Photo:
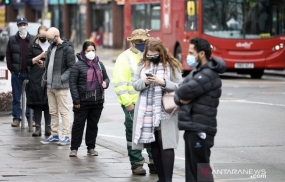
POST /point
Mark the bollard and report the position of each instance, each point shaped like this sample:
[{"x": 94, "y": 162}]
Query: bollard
[{"x": 24, "y": 107}]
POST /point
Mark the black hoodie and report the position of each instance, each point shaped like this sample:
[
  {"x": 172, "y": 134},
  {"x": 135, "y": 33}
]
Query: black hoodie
[{"x": 203, "y": 87}]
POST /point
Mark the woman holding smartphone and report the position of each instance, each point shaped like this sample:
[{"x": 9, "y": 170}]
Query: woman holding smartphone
[
  {"x": 37, "y": 97},
  {"x": 153, "y": 127}
]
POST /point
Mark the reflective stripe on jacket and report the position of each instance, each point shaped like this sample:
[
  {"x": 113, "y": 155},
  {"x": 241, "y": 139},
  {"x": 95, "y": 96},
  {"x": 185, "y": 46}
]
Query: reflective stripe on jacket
[{"x": 123, "y": 71}]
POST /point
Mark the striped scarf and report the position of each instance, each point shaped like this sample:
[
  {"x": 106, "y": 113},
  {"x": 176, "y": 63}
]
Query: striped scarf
[{"x": 150, "y": 108}]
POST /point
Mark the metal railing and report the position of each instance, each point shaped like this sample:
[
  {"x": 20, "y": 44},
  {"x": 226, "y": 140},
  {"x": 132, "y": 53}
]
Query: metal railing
[{"x": 24, "y": 108}]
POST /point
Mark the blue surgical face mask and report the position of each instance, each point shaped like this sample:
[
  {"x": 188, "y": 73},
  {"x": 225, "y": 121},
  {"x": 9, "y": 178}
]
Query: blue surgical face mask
[
  {"x": 140, "y": 47},
  {"x": 191, "y": 61}
]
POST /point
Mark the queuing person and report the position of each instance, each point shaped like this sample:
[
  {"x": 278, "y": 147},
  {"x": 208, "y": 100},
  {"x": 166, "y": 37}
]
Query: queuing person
[
  {"x": 124, "y": 69},
  {"x": 158, "y": 71},
  {"x": 88, "y": 79},
  {"x": 16, "y": 62},
  {"x": 198, "y": 96},
  {"x": 37, "y": 97},
  {"x": 58, "y": 63}
]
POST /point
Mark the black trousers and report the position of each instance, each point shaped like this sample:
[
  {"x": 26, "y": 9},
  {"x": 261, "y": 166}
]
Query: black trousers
[
  {"x": 38, "y": 114},
  {"x": 92, "y": 113},
  {"x": 197, "y": 157}
]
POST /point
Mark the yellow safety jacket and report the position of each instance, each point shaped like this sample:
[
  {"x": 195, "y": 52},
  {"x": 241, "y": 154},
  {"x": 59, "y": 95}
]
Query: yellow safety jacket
[{"x": 123, "y": 71}]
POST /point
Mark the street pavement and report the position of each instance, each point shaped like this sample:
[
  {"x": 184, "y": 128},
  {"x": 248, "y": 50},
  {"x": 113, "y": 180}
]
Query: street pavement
[{"x": 24, "y": 158}]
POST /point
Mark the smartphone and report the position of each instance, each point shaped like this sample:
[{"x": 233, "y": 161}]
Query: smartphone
[{"x": 148, "y": 74}]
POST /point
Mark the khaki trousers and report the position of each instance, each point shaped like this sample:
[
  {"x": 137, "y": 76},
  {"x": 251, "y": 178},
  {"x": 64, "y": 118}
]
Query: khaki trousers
[{"x": 57, "y": 101}]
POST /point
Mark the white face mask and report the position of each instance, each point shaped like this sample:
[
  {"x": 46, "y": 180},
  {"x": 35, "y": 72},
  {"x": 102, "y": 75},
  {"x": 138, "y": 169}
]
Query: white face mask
[
  {"x": 90, "y": 55},
  {"x": 23, "y": 30}
]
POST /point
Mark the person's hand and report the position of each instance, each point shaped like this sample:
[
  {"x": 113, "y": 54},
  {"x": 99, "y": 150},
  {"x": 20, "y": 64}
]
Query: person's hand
[
  {"x": 104, "y": 85},
  {"x": 43, "y": 54},
  {"x": 156, "y": 79},
  {"x": 185, "y": 101},
  {"x": 40, "y": 63},
  {"x": 77, "y": 106},
  {"x": 147, "y": 80},
  {"x": 130, "y": 107}
]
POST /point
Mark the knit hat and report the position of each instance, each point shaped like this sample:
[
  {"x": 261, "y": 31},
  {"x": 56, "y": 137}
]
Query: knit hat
[{"x": 139, "y": 34}]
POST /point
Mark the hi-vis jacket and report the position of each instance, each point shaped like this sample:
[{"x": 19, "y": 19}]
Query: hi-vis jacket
[{"x": 123, "y": 71}]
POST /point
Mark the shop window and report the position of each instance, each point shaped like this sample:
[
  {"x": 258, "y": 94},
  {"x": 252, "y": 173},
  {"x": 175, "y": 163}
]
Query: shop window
[{"x": 146, "y": 16}]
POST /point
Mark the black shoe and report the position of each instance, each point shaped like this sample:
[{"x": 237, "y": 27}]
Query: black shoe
[
  {"x": 47, "y": 130},
  {"x": 152, "y": 168}
]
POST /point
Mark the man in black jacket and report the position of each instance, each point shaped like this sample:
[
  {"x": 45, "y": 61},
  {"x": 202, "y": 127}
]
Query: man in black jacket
[
  {"x": 60, "y": 58},
  {"x": 198, "y": 97},
  {"x": 16, "y": 62}
]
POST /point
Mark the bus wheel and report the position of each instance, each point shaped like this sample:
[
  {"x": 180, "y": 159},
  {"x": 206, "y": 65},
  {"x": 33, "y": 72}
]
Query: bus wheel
[
  {"x": 178, "y": 54},
  {"x": 257, "y": 74}
]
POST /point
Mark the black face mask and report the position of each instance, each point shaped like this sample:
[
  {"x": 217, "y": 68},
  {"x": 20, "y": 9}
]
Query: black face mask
[
  {"x": 154, "y": 60},
  {"x": 43, "y": 39}
]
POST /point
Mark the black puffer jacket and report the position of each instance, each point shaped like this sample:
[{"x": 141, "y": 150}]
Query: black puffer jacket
[
  {"x": 77, "y": 82},
  {"x": 37, "y": 94},
  {"x": 203, "y": 88}
]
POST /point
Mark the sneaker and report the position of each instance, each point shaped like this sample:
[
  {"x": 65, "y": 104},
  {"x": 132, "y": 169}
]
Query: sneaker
[
  {"x": 92, "y": 152},
  {"x": 139, "y": 171},
  {"x": 15, "y": 123},
  {"x": 64, "y": 141},
  {"x": 73, "y": 153},
  {"x": 51, "y": 139}
]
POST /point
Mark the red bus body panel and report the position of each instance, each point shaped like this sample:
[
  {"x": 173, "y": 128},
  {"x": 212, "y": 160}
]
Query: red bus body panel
[{"x": 257, "y": 51}]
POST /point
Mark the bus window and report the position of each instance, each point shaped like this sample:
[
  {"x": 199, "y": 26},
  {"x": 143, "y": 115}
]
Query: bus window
[
  {"x": 191, "y": 18},
  {"x": 235, "y": 19},
  {"x": 146, "y": 16}
]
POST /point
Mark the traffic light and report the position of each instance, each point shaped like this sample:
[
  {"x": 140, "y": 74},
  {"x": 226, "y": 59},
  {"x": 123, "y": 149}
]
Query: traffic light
[{"x": 7, "y": 1}]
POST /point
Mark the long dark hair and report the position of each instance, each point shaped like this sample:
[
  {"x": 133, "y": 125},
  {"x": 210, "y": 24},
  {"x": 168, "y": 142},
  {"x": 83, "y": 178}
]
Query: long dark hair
[{"x": 86, "y": 44}]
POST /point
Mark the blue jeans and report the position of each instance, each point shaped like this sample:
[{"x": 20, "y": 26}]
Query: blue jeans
[{"x": 17, "y": 81}]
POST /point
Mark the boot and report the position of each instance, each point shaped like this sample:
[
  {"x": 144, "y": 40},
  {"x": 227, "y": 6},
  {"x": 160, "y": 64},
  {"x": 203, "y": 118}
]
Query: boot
[
  {"x": 47, "y": 130},
  {"x": 38, "y": 131},
  {"x": 139, "y": 171},
  {"x": 151, "y": 166}
]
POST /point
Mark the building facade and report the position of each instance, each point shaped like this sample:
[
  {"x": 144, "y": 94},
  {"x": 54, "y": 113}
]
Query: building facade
[{"x": 77, "y": 20}]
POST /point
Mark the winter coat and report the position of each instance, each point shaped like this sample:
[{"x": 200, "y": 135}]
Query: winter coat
[
  {"x": 14, "y": 53},
  {"x": 64, "y": 59},
  {"x": 169, "y": 129},
  {"x": 37, "y": 95},
  {"x": 203, "y": 87},
  {"x": 77, "y": 82}
]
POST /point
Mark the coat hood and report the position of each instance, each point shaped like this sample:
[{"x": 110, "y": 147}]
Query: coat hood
[{"x": 216, "y": 64}]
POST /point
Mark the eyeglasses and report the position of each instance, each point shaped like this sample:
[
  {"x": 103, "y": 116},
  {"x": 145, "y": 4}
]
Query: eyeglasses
[{"x": 152, "y": 56}]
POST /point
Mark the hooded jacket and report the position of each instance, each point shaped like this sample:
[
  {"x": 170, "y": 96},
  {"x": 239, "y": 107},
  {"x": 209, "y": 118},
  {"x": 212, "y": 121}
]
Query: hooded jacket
[
  {"x": 203, "y": 87},
  {"x": 64, "y": 59}
]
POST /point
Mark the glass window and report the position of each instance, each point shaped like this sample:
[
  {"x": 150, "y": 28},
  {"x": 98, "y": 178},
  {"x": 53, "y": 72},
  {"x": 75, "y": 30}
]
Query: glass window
[
  {"x": 146, "y": 16},
  {"x": 251, "y": 19},
  {"x": 191, "y": 15}
]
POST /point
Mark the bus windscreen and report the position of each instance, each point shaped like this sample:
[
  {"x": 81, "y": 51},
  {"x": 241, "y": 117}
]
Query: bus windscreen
[{"x": 243, "y": 19}]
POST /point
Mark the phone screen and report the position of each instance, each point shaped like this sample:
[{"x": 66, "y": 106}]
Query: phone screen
[{"x": 148, "y": 74}]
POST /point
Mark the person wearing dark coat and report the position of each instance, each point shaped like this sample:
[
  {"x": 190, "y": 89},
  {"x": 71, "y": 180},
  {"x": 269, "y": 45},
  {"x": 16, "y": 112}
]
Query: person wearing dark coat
[
  {"x": 198, "y": 97},
  {"x": 16, "y": 63},
  {"x": 88, "y": 79},
  {"x": 37, "y": 95}
]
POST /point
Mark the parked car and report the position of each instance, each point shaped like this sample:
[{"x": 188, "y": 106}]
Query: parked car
[{"x": 11, "y": 29}]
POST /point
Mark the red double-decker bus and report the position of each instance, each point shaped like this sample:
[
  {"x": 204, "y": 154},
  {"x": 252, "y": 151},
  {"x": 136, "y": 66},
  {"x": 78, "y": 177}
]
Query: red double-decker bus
[{"x": 248, "y": 34}]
